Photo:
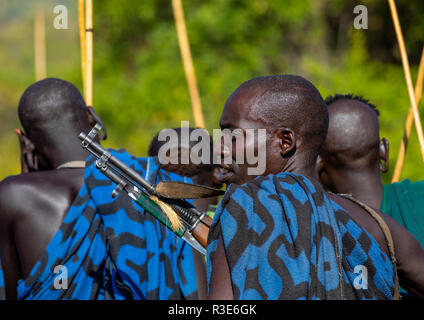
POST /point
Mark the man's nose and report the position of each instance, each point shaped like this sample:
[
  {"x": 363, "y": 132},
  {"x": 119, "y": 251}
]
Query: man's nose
[
  {"x": 225, "y": 148},
  {"x": 221, "y": 150}
]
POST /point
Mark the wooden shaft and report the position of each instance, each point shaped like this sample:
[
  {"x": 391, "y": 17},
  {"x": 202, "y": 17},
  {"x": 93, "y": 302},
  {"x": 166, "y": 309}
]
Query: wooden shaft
[
  {"x": 81, "y": 19},
  {"x": 188, "y": 63},
  {"x": 39, "y": 46},
  {"x": 89, "y": 51},
  {"x": 409, "y": 122},
  {"x": 200, "y": 233},
  {"x": 407, "y": 73}
]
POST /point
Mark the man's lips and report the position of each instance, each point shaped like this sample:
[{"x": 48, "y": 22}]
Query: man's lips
[{"x": 226, "y": 174}]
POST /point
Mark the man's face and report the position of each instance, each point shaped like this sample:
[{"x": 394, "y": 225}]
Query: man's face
[{"x": 248, "y": 148}]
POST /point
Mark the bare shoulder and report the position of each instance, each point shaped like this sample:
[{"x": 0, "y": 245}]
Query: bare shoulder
[
  {"x": 409, "y": 254},
  {"x": 404, "y": 242},
  {"x": 26, "y": 183},
  {"x": 11, "y": 183},
  {"x": 11, "y": 187},
  {"x": 401, "y": 236},
  {"x": 364, "y": 218},
  {"x": 35, "y": 189}
]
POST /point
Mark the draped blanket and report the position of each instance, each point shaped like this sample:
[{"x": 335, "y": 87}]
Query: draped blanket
[
  {"x": 284, "y": 239},
  {"x": 111, "y": 249}
]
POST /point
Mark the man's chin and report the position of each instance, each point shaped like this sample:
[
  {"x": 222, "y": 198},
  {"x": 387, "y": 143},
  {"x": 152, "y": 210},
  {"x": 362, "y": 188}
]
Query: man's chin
[
  {"x": 229, "y": 178},
  {"x": 235, "y": 179}
]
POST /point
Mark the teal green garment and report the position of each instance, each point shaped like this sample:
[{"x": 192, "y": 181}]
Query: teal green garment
[{"x": 404, "y": 201}]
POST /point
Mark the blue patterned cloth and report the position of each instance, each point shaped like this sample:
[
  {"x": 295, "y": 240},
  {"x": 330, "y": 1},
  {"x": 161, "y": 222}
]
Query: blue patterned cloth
[
  {"x": 111, "y": 249},
  {"x": 284, "y": 239}
]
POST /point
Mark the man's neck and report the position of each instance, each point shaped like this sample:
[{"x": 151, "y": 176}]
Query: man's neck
[
  {"x": 300, "y": 167},
  {"x": 59, "y": 158},
  {"x": 366, "y": 188}
]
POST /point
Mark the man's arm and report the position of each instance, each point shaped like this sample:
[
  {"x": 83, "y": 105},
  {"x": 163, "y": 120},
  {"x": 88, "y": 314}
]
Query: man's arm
[
  {"x": 200, "y": 269},
  {"x": 220, "y": 285},
  {"x": 8, "y": 253},
  {"x": 410, "y": 258}
]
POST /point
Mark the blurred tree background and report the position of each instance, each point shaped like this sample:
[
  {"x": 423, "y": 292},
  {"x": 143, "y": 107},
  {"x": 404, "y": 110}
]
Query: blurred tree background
[{"x": 139, "y": 82}]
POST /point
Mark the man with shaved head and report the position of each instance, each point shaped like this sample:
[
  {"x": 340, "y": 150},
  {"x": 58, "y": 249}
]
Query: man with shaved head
[
  {"x": 280, "y": 235},
  {"x": 353, "y": 156},
  {"x": 34, "y": 203},
  {"x": 62, "y": 234}
]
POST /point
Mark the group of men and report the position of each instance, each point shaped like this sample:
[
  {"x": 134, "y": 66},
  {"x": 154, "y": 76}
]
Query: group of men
[{"x": 310, "y": 227}]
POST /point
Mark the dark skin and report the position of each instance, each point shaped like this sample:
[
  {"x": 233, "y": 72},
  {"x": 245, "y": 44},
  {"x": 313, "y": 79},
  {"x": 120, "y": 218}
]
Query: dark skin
[
  {"x": 353, "y": 156},
  {"x": 25, "y": 234},
  {"x": 201, "y": 173},
  {"x": 286, "y": 152},
  {"x": 207, "y": 176},
  {"x": 49, "y": 193}
]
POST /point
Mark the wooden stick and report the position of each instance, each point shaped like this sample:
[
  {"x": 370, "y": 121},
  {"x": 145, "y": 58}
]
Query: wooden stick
[
  {"x": 81, "y": 20},
  {"x": 188, "y": 63},
  {"x": 39, "y": 46},
  {"x": 407, "y": 73},
  {"x": 409, "y": 122},
  {"x": 89, "y": 52}
]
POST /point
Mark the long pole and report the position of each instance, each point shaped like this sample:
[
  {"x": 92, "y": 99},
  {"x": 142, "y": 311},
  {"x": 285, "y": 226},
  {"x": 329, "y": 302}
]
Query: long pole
[
  {"x": 83, "y": 44},
  {"x": 39, "y": 46},
  {"x": 89, "y": 52},
  {"x": 188, "y": 63},
  {"x": 407, "y": 73},
  {"x": 409, "y": 121}
]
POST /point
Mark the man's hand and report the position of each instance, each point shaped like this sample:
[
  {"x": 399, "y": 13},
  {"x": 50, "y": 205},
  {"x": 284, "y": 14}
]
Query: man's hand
[{"x": 28, "y": 159}]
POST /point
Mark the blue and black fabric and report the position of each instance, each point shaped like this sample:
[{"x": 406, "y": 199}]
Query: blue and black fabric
[
  {"x": 284, "y": 239},
  {"x": 110, "y": 248}
]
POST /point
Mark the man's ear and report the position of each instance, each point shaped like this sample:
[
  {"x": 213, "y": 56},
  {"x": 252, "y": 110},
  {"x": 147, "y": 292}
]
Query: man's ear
[
  {"x": 384, "y": 155},
  {"x": 287, "y": 141},
  {"x": 93, "y": 118},
  {"x": 29, "y": 161},
  {"x": 319, "y": 165}
]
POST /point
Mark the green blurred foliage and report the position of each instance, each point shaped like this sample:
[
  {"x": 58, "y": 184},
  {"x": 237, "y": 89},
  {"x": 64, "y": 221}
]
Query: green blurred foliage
[{"x": 139, "y": 81}]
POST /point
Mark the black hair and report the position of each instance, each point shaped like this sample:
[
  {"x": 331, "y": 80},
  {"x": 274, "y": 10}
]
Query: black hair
[
  {"x": 50, "y": 108},
  {"x": 331, "y": 99},
  {"x": 185, "y": 170}
]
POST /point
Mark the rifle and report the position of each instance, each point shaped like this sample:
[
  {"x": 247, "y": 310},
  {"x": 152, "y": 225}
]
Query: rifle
[{"x": 192, "y": 225}]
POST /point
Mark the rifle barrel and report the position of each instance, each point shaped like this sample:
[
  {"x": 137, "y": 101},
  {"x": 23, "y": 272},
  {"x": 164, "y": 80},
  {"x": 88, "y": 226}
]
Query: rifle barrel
[
  {"x": 119, "y": 165},
  {"x": 120, "y": 173}
]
